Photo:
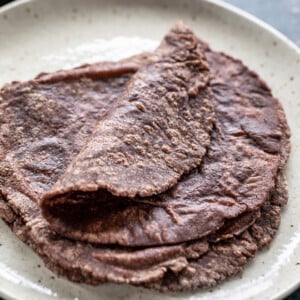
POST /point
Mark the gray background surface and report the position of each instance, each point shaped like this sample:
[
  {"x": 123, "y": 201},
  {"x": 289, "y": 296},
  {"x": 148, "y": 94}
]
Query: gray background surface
[{"x": 284, "y": 15}]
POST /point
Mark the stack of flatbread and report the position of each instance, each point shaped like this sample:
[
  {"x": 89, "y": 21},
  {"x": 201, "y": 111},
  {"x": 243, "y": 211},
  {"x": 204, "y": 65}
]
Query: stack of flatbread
[{"x": 163, "y": 170}]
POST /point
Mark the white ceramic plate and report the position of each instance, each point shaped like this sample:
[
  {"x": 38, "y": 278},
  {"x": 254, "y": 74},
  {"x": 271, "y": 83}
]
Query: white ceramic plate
[{"x": 46, "y": 35}]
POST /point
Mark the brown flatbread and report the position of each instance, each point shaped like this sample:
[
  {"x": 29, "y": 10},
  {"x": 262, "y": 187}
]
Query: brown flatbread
[
  {"x": 236, "y": 176},
  {"x": 166, "y": 268},
  {"x": 45, "y": 124},
  {"x": 224, "y": 259},
  {"x": 238, "y": 240},
  {"x": 157, "y": 130}
]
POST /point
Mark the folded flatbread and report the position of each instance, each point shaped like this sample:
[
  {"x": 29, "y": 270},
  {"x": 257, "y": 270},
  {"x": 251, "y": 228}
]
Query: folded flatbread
[
  {"x": 236, "y": 175},
  {"x": 195, "y": 234}
]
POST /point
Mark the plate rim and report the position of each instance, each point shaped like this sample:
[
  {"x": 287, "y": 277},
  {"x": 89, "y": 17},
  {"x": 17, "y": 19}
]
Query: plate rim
[
  {"x": 229, "y": 8},
  {"x": 217, "y": 3}
]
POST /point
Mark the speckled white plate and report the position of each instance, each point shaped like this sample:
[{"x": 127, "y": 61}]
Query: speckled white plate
[{"x": 46, "y": 35}]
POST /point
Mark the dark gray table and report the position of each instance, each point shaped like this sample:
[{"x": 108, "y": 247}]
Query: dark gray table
[{"x": 284, "y": 15}]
